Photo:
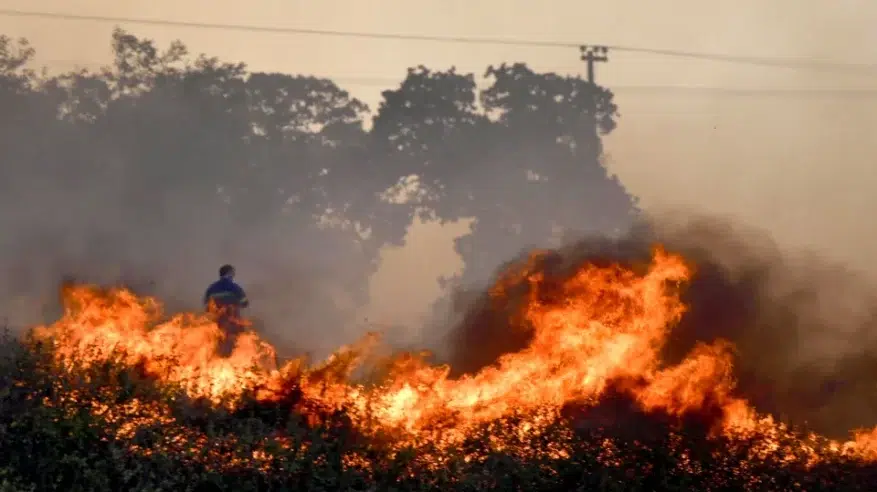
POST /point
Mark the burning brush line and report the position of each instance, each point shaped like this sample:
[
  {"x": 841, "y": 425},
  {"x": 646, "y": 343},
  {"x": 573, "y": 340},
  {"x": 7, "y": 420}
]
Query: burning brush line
[{"x": 599, "y": 330}]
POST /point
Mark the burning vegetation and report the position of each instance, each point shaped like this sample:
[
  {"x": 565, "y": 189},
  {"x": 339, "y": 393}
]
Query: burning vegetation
[{"x": 589, "y": 400}]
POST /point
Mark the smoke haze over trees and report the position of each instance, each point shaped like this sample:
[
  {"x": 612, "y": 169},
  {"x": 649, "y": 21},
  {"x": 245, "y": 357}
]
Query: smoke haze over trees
[
  {"x": 163, "y": 166},
  {"x": 159, "y": 168}
]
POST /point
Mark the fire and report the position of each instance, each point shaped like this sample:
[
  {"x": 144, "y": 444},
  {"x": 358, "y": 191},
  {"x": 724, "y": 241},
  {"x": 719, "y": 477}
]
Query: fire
[{"x": 601, "y": 327}]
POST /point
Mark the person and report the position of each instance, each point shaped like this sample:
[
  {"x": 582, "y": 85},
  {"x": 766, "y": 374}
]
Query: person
[{"x": 224, "y": 299}]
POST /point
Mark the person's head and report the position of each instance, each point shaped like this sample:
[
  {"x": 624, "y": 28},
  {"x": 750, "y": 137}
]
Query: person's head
[{"x": 226, "y": 271}]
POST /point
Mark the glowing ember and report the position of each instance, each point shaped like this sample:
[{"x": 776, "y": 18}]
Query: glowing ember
[{"x": 602, "y": 327}]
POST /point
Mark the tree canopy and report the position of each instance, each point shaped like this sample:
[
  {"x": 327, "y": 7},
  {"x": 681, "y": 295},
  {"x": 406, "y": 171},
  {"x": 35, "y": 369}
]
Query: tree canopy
[{"x": 152, "y": 155}]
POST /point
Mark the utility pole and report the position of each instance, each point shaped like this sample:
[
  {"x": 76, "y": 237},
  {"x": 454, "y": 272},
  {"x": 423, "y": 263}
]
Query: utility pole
[{"x": 592, "y": 54}]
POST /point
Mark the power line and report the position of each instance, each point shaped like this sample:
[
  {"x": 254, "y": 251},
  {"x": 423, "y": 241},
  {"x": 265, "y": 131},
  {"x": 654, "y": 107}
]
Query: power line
[
  {"x": 682, "y": 90},
  {"x": 800, "y": 64},
  {"x": 763, "y": 91}
]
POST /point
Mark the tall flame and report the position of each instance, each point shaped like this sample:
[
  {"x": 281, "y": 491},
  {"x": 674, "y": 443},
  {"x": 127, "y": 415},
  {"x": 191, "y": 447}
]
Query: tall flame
[{"x": 601, "y": 327}]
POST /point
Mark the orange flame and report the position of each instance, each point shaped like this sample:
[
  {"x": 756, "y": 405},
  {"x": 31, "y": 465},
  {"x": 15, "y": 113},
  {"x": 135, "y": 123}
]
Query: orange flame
[{"x": 601, "y": 325}]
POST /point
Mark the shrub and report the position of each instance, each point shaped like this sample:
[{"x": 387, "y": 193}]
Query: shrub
[{"x": 70, "y": 430}]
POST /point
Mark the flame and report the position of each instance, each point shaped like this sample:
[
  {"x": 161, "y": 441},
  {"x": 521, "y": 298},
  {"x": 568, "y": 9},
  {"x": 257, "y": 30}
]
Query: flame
[{"x": 601, "y": 328}]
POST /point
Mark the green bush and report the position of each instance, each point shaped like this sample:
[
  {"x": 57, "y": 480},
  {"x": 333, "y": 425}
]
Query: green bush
[{"x": 55, "y": 437}]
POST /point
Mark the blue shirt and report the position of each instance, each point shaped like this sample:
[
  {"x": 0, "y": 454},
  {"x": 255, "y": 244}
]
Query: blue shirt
[{"x": 226, "y": 293}]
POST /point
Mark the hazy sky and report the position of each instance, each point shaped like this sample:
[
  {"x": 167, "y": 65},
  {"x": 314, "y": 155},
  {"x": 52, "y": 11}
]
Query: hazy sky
[{"x": 795, "y": 164}]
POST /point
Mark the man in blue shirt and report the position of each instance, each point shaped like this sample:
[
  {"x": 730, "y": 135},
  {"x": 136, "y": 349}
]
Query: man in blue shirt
[{"x": 224, "y": 299}]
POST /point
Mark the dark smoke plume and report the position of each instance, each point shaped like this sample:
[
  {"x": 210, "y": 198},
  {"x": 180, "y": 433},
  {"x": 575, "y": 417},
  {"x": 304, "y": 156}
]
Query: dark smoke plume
[{"x": 805, "y": 330}]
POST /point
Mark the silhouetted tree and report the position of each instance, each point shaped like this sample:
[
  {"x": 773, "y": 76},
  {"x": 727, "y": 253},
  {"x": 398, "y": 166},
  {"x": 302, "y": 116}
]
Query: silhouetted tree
[
  {"x": 161, "y": 143},
  {"x": 23, "y": 113},
  {"x": 544, "y": 175},
  {"x": 526, "y": 165},
  {"x": 431, "y": 127}
]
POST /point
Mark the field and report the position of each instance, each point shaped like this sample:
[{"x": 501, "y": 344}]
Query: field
[{"x": 116, "y": 395}]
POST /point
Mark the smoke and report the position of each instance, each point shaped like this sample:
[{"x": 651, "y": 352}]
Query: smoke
[
  {"x": 296, "y": 296},
  {"x": 764, "y": 153},
  {"x": 805, "y": 329},
  {"x": 76, "y": 206},
  {"x": 782, "y": 149}
]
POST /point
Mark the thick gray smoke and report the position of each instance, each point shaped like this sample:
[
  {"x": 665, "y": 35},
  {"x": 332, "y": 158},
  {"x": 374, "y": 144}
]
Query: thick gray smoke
[
  {"x": 805, "y": 330},
  {"x": 153, "y": 181},
  {"x": 293, "y": 284},
  {"x": 86, "y": 228}
]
